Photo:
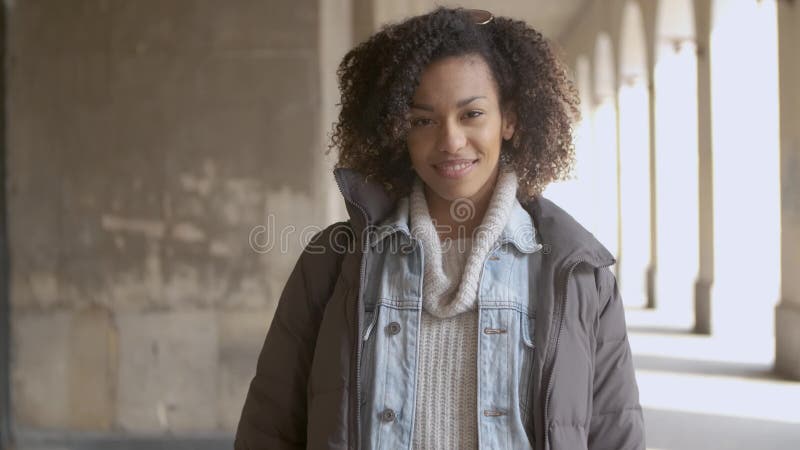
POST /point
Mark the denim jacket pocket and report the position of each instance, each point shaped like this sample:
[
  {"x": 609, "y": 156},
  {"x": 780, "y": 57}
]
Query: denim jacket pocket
[{"x": 526, "y": 364}]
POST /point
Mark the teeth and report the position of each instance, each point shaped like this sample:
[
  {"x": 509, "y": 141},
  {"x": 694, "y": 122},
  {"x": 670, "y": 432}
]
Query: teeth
[{"x": 455, "y": 167}]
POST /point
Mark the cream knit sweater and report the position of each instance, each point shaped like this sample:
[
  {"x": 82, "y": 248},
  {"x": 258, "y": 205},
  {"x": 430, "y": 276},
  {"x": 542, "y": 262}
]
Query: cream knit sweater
[{"x": 446, "y": 399}]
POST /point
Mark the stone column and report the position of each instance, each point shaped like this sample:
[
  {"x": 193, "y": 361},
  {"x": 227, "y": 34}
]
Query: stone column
[
  {"x": 705, "y": 275},
  {"x": 787, "y": 313},
  {"x": 649, "y": 12}
]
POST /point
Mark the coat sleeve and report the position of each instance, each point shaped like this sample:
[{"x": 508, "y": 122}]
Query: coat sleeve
[
  {"x": 617, "y": 422},
  {"x": 274, "y": 413}
]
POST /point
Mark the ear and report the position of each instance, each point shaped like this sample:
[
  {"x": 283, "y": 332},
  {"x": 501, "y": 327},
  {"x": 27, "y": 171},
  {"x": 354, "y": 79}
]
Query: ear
[{"x": 509, "y": 123}]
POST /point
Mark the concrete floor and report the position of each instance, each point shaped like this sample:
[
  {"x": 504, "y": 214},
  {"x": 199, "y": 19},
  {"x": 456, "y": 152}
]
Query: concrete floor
[{"x": 706, "y": 393}]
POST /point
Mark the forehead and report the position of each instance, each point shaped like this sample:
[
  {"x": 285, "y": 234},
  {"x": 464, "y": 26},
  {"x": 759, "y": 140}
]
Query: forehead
[{"x": 457, "y": 76}]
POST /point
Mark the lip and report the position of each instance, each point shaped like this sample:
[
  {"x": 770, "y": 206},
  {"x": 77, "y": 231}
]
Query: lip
[{"x": 455, "y": 168}]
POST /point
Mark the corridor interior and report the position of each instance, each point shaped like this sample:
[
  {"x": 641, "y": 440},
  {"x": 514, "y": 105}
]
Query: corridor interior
[
  {"x": 701, "y": 235},
  {"x": 148, "y": 142}
]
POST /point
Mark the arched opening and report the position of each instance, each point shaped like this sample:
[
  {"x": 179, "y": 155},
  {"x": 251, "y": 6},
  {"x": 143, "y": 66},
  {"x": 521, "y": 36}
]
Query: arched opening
[
  {"x": 634, "y": 147},
  {"x": 603, "y": 201},
  {"x": 677, "y": 228},
  {"x": 746, "y": 168}
]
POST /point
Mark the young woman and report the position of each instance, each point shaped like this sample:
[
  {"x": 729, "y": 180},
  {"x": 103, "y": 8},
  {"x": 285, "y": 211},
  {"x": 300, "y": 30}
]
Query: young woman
[{"x": 468, "y": 311}]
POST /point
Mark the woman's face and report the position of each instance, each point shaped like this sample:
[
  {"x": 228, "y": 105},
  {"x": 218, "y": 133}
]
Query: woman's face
[{"x": 457, "y": 128}]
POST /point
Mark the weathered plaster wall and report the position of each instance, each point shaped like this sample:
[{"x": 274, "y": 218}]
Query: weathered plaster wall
[{"x": 147, "y": 139}]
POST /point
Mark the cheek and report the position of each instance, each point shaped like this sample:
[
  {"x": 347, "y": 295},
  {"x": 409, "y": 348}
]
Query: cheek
[
  {"x": 489, "y": 139},
  {"x": 418, "y": 146},
  {"x": 416, "y": 152},
  {"x": 420, "y": 136}
]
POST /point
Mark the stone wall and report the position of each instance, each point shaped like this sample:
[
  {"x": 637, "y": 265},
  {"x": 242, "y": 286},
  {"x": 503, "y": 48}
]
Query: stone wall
[{"x": 147, "y": 139}]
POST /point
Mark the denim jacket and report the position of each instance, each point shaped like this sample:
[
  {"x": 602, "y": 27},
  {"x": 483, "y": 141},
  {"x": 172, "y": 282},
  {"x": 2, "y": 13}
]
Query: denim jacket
[{"x": 506, "y": 311}]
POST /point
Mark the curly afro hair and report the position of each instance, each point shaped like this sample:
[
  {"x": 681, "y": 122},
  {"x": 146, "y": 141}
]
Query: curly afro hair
[{"x": 378, "y": 78}]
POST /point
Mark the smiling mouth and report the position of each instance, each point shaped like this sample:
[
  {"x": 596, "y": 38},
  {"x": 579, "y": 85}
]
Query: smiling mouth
[{"x": 455, "y": 168}]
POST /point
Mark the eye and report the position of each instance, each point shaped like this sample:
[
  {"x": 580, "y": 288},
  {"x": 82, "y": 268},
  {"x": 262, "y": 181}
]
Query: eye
[
  {"x": 474, "y": 113},
  {"x": 420, "y": 122}
]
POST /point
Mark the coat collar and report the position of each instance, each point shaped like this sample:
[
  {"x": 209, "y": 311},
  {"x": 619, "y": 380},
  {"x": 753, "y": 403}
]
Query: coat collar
[{"x": 538, "y": 222}]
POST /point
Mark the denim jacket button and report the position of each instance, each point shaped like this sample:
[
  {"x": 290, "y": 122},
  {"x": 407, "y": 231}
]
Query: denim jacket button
[
  {"x": 393, "y": 328},
  {"x": 387, "y": 415}
]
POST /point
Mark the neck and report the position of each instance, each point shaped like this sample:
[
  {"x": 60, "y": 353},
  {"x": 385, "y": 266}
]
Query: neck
[{"x": 456, "y": 218}]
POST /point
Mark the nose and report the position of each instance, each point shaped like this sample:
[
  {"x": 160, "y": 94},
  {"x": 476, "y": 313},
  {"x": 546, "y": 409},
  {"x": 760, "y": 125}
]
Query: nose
[{"x": 452, "y": 138}]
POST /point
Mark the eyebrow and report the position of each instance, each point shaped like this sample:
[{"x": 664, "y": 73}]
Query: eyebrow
[{"x": 461, "y": 103}]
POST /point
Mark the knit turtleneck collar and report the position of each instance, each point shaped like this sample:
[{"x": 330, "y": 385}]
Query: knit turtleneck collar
[{"x": 442, "y": 296}]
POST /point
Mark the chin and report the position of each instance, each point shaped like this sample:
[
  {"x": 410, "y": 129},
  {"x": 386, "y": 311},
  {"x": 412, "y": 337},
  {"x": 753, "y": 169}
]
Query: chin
[{"x": 455, "y": 191}]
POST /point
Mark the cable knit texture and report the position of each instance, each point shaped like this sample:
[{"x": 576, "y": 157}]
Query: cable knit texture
[{"x": 446, "y": 400}]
